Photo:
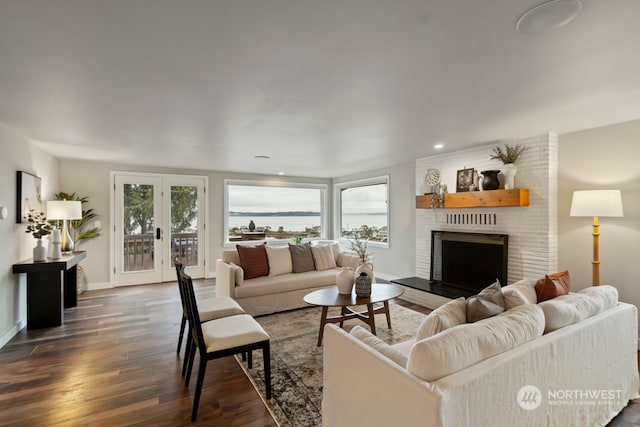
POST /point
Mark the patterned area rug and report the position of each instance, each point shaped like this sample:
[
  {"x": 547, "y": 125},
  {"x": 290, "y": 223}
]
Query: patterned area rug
[{"x": 296, "y": 361}]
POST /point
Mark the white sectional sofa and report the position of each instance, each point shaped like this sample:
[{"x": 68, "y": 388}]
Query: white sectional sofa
[
  {"x": 569, "y": 361},
  {"x": 282, "y": 289}
]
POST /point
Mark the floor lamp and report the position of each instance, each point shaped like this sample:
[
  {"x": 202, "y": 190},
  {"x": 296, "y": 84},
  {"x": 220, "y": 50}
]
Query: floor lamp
[
  {"x": 596, "y": 203},
  {"x": 64, "y": 210}
]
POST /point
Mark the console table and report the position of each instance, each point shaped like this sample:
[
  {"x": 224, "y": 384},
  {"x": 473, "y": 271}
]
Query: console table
[{"x": 51, "y": 287}]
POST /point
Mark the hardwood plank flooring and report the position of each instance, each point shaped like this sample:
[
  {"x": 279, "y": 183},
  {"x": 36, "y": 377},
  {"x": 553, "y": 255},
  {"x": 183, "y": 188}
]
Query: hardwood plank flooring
[{"x": 114, "y": 363}]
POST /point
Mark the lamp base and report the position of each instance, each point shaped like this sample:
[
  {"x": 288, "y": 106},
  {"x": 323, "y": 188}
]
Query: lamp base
[{"x": 67, "y": 243}]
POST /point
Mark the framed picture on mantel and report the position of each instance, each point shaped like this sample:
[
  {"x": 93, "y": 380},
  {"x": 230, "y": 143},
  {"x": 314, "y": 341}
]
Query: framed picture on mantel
[
  {"x": 29, "y": 195},
  {"x": 464, "y": 180}
]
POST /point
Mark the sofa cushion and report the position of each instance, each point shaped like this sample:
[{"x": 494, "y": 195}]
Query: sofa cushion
[
  {"x": 230, "y": 256},
  {"x": 521, "y": 292},
  {"x": 323, "y": 257},
  {"x": 335, "y": 247},
  {"x": 444, "y": 317},
  {"x": 269, "y": 285},
  {"x": 253, "y": 260},
  {"x": 279, "y": 260},
  {"x": 380, "y": 346},
  {"x": 487, "y": 303},
  {"x": 465, "y": 345},
  {"x": 553, "y": 285},
  {"x": 302, "y": 258},
  {"x": 571, "y": 308}
]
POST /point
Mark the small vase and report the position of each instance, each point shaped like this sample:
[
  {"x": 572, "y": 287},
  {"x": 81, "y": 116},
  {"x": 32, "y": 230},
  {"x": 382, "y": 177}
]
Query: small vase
[
  {"x": 40, "y": 251},
  {"x": 344, "y": 280},
  {"x": 366, "y": 267},
  {"x": 363, "y": 285},
  {"x": 509, "y": 173},
  {"x": 490, "y": 180}
]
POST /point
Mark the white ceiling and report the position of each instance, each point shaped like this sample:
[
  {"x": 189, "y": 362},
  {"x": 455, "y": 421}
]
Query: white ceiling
[{"x": 325, "y": 88}]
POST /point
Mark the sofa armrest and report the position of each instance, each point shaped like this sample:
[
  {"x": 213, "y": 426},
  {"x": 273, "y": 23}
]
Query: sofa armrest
[
  {"x": 226, "y": 274},
  {"x": 356, "y": 376}
]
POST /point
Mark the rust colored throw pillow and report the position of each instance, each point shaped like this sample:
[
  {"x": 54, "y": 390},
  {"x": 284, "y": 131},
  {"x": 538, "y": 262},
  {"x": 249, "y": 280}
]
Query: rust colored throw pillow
[
  {"x": 253, "y": 260},
  {"x": 553, "y": 285}
]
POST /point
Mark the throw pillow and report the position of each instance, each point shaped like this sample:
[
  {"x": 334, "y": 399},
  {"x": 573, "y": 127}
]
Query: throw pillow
[
  {"x": 553, "y": 285},
  {"x": 380, "y": 346},
  {"x": 253, "y": 260},
  {"x": 487, "y": 303},
  {"x": 519, "y": 293},
  {"x": 323, "y": 257},
  {"x": 279, "y": 260},
  {"x": 301, "y": 258},
  {"x": 444, "y": 317}
]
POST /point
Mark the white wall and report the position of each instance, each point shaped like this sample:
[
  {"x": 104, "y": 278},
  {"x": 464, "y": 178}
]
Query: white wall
[
  {"x": 92, "y": 179},
  {"x": 601, "y": 158},
  {"x": 398, "y": 260},
  {"x": 18, "y": 154}
]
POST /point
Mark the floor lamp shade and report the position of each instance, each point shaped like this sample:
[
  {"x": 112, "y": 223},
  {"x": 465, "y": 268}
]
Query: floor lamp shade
[
  {"x": 596, "y": 203},
  {"x": 64, "y": 210}
]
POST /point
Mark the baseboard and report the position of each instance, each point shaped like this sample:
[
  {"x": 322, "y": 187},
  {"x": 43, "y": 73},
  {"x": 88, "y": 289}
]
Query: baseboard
[
  {"x": 12, "y": 332},
  {"x": 99, "y": 285}
]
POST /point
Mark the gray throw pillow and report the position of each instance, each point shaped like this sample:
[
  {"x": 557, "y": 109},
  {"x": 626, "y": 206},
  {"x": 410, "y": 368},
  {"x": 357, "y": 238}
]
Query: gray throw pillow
[
  {"x": 487, "y": 303},
  {"x": 302, "y": 258}
]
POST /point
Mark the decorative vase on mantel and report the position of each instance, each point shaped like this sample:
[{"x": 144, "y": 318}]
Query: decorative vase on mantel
[
  {"x": 40, "y": 251},
  {"x": 490, "y": 180},
  {"x": 509, "y": 173},
  {"x": 365, "y": 267},
  {"x": 344, "y": 280}
]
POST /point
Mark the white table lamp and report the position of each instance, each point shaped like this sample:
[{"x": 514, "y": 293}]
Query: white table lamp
[{"x": 64, "y": 210}]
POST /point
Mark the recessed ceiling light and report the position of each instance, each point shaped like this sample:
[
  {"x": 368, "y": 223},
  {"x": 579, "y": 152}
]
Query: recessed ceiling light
[
  {"x": 548, "y": 16},
  {"x": 280, "y": 173},
  {"x": 261, "y": 157},
  {"x": 438, "y": 146}
]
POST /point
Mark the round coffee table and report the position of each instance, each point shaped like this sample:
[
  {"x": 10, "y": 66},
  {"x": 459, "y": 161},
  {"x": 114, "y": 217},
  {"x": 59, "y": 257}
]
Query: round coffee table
[{"x": 329, "y": 297}]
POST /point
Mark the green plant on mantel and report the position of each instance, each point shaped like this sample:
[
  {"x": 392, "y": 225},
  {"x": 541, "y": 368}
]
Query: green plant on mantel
[
  {"x": 37, "y": 224},
  {"x": 509, "y": 154},
  {"x": 80, "y": 227}
]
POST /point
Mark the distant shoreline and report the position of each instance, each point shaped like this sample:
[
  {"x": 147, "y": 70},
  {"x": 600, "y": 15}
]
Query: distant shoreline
[{"x": 291, "y": 213}]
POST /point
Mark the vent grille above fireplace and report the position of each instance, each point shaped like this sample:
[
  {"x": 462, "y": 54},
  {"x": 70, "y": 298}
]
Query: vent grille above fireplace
[{"x": 472, "y": 219}]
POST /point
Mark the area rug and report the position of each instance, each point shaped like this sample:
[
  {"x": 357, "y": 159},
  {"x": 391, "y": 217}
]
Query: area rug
[{"x": 296, "y": 361}]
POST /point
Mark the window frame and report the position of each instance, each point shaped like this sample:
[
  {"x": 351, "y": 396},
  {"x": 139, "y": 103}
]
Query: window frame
[
  {"x": 324, "y": 217},
  {"x": 337, "y": 207}
]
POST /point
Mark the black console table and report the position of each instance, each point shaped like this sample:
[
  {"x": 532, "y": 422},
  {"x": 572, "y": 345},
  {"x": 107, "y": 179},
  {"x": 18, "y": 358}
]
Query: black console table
[{"x": 51, "y": 287}]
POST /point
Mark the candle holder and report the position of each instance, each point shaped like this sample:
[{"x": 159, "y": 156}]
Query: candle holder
[{"x": 55, "y": 241}]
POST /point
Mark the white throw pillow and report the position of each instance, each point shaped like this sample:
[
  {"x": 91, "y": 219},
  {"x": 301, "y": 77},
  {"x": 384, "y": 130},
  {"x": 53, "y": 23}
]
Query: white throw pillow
[
  {"x": 607, "y": 293},
  {"x": 279, "y": 260},
  {"x": 323, "y": 257},
  {"x": 521, "y": 292},
  {"x": 380, "y": 346},
  {"x": 444, "y": 317},
  {"x": 465, "y": 345}
]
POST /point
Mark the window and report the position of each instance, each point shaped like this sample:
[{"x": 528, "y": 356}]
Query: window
[
  {"x": 282, "y": 211},
  {"x": 362, "y": 209}
]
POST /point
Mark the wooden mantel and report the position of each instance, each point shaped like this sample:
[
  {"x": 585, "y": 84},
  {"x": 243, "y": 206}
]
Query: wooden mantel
[{"x": 479, "y": 199}]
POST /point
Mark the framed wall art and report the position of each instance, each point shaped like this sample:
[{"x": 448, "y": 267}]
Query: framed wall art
[
  {"x": 464, "y": 180},
  {"x": 29, "y": 195}
]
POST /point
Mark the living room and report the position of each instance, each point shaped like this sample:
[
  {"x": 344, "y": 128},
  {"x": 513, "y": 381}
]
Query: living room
[{"x": 599, "y": 152}]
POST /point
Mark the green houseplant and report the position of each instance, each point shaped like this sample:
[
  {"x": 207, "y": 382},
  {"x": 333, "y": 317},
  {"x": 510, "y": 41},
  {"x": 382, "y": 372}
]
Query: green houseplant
[
  {"x": 38, "y": 227},
  {"x": 80, "y": 227},
  {"x": 508, "y": 157}
]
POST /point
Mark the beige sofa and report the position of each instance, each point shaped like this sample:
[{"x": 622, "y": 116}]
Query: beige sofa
[
  {"x": 501, "y": 371},
  {"x": 276, "y": 292}
]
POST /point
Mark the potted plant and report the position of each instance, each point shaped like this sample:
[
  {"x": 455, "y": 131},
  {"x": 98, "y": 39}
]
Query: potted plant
[
  {"x": 360, "y": 248},
  {"x": 508, "y": 157},
  {"x": 39, "y": 227}
]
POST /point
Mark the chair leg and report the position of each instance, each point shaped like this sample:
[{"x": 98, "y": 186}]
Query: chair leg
[
  {"x": 192, "y": 356},
  {"x": 266, "y": 354},
  {"x": 182, "y": 324},
  {"x": 187, "y": 351},
  {"x": 196, "y": 397}
]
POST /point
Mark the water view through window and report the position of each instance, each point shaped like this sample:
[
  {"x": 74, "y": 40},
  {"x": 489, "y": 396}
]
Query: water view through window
[
  {"x": 363, "y": 212},
  {"x": 261, "y": 212}
]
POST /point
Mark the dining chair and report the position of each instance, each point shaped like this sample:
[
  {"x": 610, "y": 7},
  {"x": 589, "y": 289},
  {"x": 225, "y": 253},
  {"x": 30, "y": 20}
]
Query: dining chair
[
  {"x": 221, "y": 337},
  {"x": 208, "y": 309}
]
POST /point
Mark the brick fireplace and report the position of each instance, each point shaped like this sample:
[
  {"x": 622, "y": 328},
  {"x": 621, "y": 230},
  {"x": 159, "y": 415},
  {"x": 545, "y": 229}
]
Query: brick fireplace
[{"x": 532, "y": 230}]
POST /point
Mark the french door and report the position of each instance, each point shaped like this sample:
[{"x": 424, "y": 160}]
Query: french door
[{"x": 157, "y": 218}]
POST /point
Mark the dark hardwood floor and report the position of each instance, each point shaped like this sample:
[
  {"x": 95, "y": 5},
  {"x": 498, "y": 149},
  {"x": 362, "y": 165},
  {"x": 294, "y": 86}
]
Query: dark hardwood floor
[{"x": 114, "y": 363}]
